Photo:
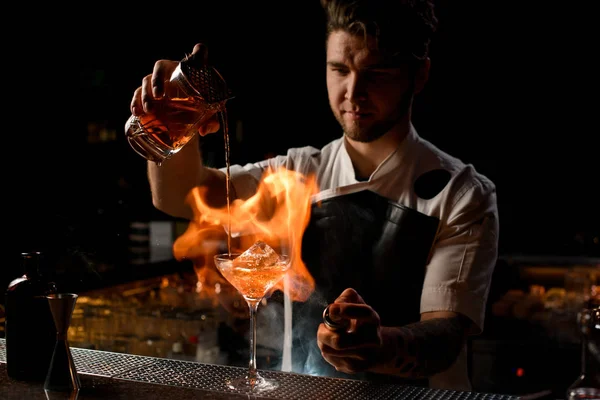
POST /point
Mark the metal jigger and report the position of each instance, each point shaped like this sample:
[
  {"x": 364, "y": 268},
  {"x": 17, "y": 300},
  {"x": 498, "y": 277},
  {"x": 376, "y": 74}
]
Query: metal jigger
[{"x": 62, "y": 375}]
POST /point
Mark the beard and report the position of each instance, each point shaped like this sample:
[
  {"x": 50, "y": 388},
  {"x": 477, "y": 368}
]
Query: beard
[
  {"x": 356, "y": 132},
  {"x": 369, "y": 133}
]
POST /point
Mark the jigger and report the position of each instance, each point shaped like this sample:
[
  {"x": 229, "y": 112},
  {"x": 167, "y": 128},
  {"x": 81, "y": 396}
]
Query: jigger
[{"x": 62, "y": 374}]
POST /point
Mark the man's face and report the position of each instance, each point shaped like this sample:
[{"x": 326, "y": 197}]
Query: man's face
[{"x": 367, "y": 97}]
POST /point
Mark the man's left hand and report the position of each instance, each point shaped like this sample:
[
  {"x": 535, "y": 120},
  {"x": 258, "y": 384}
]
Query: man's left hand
[{"x": 357, "y": 348}]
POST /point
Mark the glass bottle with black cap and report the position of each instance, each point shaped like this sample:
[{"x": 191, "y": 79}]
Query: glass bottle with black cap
[{"x": 30, "y": 331}]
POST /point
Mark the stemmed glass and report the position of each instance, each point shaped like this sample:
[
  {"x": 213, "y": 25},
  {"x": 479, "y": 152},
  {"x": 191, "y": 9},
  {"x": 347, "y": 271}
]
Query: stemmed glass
[{"x": 252, "y": 279}]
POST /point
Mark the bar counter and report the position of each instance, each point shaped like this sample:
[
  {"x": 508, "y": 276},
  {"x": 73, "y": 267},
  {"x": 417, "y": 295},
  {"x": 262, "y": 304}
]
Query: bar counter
[{"x": 108, "y": 375}]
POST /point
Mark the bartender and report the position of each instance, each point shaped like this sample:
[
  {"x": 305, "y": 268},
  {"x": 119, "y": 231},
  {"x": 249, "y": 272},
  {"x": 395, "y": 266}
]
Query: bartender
[{"x": 403, "y": 237}]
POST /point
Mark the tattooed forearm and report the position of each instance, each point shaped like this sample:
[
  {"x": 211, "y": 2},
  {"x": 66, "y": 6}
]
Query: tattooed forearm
[{"x": 425, "y": 348}]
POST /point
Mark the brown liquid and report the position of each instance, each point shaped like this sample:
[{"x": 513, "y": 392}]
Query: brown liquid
[
  {"x": 223, "y": 116},
  {"x": 172, "y": 123},
  {"x": 181, "y": 116},
  {"x": 253, "y": 281}
]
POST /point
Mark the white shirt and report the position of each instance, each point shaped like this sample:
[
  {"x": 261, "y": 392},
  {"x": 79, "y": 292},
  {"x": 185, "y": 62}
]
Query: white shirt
[{"x": 464, "y": 253}]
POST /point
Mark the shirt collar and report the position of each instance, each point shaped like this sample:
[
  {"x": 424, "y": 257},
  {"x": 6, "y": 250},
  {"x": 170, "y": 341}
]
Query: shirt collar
[{"x": 391, "y": 162}]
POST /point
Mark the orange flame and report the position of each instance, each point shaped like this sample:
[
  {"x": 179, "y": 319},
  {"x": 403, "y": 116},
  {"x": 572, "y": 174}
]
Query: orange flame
[{"x": 277, "y": 214}]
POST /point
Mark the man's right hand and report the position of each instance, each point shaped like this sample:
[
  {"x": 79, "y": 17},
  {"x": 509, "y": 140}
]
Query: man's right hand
[{"x": 153, "y": 86}]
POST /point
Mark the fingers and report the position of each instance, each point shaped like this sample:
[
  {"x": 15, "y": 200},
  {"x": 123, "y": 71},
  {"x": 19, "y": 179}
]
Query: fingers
[
  {"x": 146, "y": 93},
  {"x": 153, "y": 86},
  {"x": 348, "y": 360},
  {"x": 356, "y": 348},
  {"x": 164, "y": 68},
  {"x": 356, "y": 353},
  {"x": 136, "y": 103},
  {"x": 351, "y": 310},
  {"x": 349, "y": 296},
  {"x": 141, "y": 102},
  {"x": 212, "y": 125},
  {"x": 348, "y": 341},
  {"x": 161, "y": 74},
  {"x": 360, "y": 312},
  {"x": 347, "y": 365}
]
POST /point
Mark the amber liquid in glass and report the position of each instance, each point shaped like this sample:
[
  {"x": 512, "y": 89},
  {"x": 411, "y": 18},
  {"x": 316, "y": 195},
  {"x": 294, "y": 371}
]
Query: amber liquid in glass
[{"x": 253, "y": 282}]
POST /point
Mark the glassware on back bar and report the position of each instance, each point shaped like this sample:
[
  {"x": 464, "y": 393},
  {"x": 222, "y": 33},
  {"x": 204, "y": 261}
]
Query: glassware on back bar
[
  {"x": 587, "y": 385},
  {"x": 253, "y": 273},
  {"x": 194, "y": 93}
]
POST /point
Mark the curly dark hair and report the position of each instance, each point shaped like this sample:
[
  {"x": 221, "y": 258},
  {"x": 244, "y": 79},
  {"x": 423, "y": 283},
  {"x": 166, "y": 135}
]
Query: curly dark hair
[{"x": 402, "y": 28}]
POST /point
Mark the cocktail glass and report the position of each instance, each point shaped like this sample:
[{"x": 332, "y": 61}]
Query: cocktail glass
[{"x": 253, "y": 276}]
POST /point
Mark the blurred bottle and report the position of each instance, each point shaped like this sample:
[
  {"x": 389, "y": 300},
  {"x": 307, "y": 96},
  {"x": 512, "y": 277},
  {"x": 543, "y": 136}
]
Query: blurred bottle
[
  {"x": 30, "y": 330},
  {"x": 587, "y": 385}
]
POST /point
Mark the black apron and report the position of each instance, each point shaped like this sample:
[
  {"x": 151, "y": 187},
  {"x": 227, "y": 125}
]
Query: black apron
[{"x": 373, "y": 245}]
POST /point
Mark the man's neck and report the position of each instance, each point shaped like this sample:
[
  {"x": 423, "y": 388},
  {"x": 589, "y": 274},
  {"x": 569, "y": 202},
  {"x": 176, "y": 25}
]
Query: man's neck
[{"x": 366, "y": 157}]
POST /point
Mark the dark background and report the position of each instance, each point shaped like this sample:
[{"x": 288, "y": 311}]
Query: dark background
[
  {"x": 513, "y": 90},
  {"x": 508, "y": 93}
]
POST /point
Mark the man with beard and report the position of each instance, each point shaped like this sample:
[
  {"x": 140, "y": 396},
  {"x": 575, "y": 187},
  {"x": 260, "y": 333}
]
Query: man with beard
[{"x": 404, "y": 239}]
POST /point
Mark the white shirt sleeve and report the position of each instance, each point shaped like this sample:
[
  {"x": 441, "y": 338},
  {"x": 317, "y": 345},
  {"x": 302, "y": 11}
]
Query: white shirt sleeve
[
  {"x": 463, "y": 258},
  {"x": 245, "y": 179}
]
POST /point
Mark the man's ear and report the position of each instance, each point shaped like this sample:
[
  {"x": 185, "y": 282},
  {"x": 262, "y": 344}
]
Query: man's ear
[{"x": 422, "y": 74}]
